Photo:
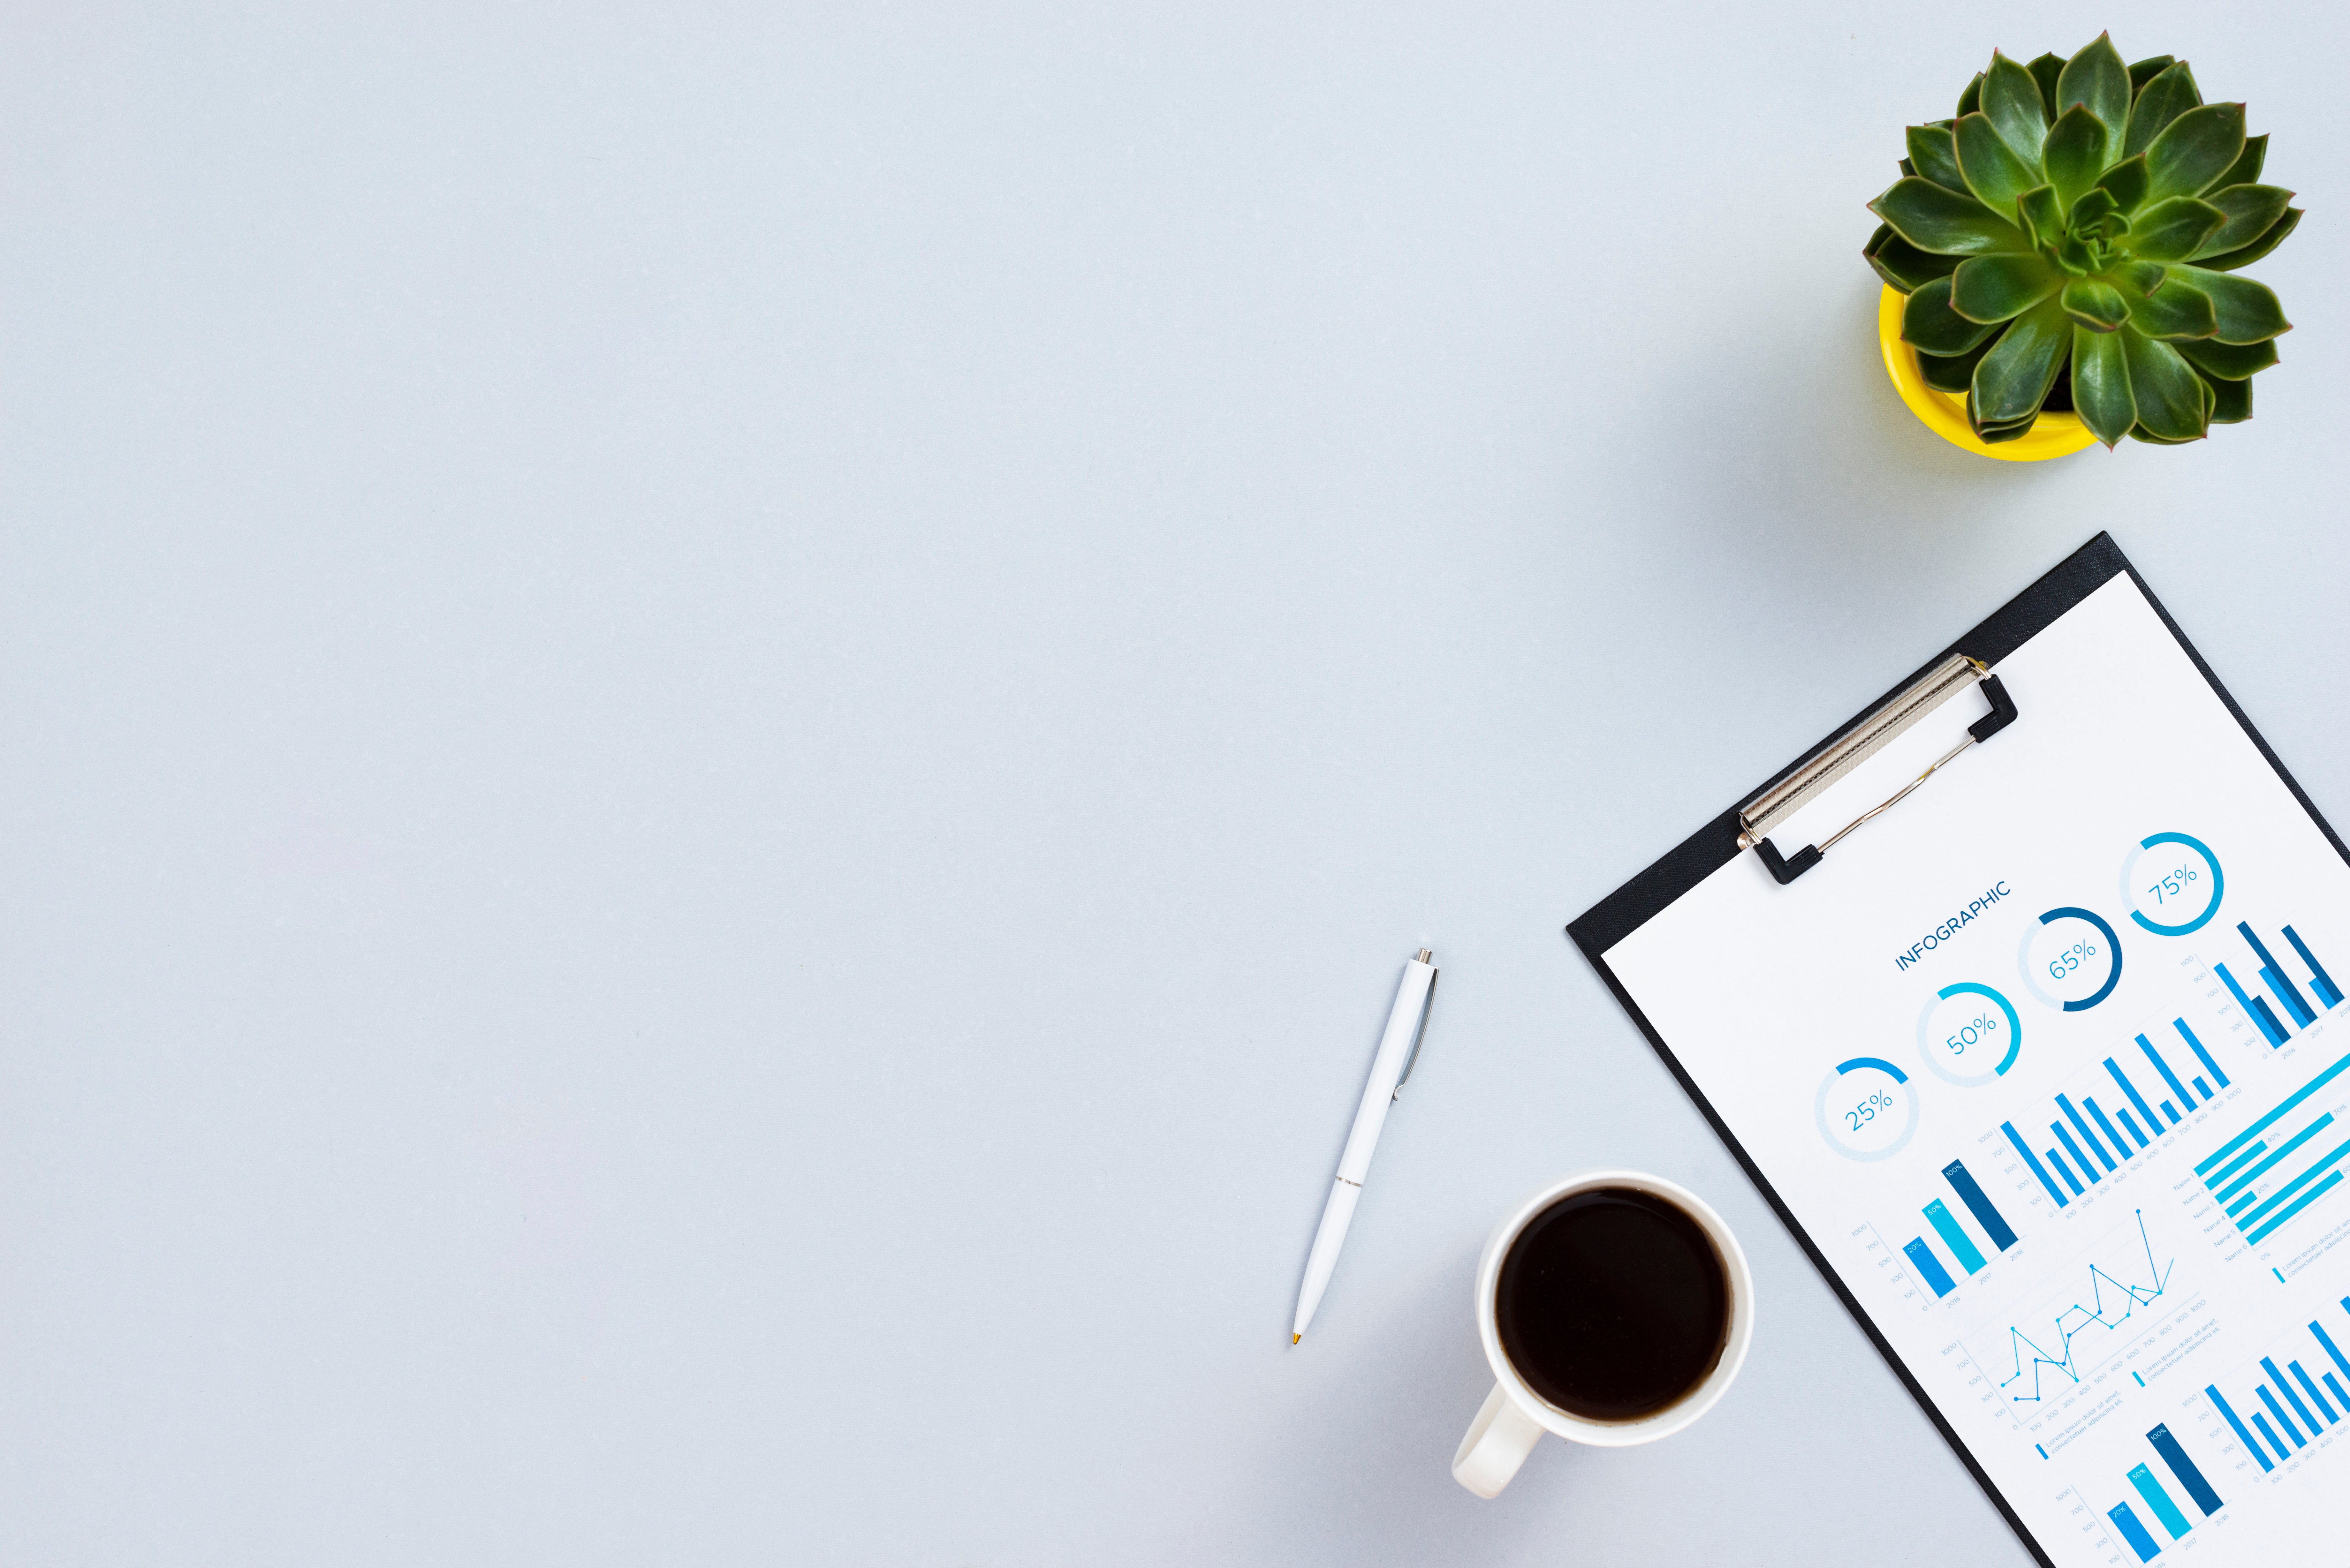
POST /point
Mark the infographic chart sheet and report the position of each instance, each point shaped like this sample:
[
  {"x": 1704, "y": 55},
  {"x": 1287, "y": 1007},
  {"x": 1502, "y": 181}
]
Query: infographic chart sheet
[{"x": 2051, "y": 1061}]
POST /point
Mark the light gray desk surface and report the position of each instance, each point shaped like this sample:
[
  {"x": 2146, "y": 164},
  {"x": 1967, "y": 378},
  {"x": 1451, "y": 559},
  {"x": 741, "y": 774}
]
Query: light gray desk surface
[{"x": 720, "y": 724}]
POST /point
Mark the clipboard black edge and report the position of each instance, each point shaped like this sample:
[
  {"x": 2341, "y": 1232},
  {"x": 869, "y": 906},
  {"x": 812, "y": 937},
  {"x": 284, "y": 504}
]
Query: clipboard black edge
[
  {"x": 2001, "y": 633},
  {"x": 1715, "y": 846}
]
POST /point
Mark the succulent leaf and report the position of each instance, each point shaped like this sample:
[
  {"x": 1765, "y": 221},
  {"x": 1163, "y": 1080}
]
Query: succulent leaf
[
  {"x": 1996, "y": 288},
  {"x": 2101, "y": 384},
  {"x": 2099, "y": 307},
  {"x": 2246, "y": 170},
  {"x": 2074, "y": 153},
  {"x": 2045, "y": 70},
  {"x": 2247, "y": 311},
  {"x": 1903, "y": 264},
  {"x": 2168, "y": 393},
  {"x": 2042, "y": 215},
  {"x": 2194, "y": 151},
  {"x": 1929, "y": 325},
  {"x": 2229, "y": 361},
  {"x": 2096, "y": 79},
  {"x": 2251, "y": 211},
  {"x": 1972, "y": 98},
  {"x": 2174, "y": 230},
  {"x": 2231, "y": 401},
  {"x": 2094, "y": 205},
  {"x": 2127, "y": 181},
  {"x": 1935, "y": 157},
  {"x": 1952, "y": 373},
  {"x": 2011, "y": 100},
  {"x": 2257, "y": 249},
  {"x": 2161, "y": 312},
  {"x": 2143, "y": 71},
  {"x": 1934, "y": 218},
  {"x": 2160, "y": 102},
  {"x": 2015, "y": 376},
  {"x": 1990, "y": 166}
]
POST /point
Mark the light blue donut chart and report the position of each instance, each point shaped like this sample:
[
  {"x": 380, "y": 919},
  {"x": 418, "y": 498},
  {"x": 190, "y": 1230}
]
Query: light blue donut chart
[
  {"x": 2071, "y": 912},
  {"x": 2218, "y": 885},
  {"x": 2015, "y": 1035},
  {"x": 1879, "y": 1064}
]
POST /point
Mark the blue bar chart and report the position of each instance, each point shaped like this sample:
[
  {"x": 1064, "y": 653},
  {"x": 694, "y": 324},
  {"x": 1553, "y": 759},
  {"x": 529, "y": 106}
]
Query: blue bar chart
[
  {"x": 2279, "y": 987},
  {"x": 2086, "y": 1146},
  {"x": 2287, "y": 1158},
  {"x": 1953, "y": 1236},
  {"x": 2288, "y": 1403},
  {"x": 2155, "y": 1497}
]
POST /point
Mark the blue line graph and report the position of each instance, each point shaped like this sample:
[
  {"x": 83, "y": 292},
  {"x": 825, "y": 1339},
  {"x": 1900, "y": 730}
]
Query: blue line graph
[{"x": 2046, "y": 1349}]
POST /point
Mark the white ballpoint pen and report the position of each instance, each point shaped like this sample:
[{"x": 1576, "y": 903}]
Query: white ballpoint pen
[{"x": 1398, "y": 1048}]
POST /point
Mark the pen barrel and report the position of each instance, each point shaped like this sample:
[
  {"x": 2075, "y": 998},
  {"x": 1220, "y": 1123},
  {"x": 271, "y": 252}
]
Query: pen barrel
[
  {"x": 1387, "y": 1068},
  {"x": 1337, "y": 1214}
]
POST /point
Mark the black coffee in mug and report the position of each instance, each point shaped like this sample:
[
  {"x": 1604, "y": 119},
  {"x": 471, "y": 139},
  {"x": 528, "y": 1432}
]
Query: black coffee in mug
[{"x": 1613, "y": 1304}]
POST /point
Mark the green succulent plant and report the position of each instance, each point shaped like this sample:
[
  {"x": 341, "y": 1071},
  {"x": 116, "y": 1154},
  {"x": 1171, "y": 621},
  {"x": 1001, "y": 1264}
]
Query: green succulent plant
[{"x": 2071, "y": 238}]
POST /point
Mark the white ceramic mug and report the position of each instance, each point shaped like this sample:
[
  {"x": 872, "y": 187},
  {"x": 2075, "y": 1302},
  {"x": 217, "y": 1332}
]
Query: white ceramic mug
[{"x": 1514, "y": 1417}]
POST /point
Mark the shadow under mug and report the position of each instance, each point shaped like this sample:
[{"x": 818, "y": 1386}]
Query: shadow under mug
[{"x": 1514, "y": 1417}]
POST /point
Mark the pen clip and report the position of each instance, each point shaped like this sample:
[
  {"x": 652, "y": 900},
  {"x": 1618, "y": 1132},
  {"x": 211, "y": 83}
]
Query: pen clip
[{"x": 1427, "y": 1006}]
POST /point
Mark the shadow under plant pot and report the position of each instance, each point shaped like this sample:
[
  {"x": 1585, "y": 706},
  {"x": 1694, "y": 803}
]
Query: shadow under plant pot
[{"x": 2057, "y": 432}]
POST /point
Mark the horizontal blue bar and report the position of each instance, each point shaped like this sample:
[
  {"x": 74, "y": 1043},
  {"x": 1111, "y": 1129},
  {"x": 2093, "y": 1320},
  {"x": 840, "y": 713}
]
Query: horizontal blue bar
[
  {"x": 2259, "y": 1148},
  {"x": 2283, "y": 1150},
  {"x": 2262, "y": 1125},
  {"x": 2296, "y": 1206},
  {"x": 2315, "y": 1169}
]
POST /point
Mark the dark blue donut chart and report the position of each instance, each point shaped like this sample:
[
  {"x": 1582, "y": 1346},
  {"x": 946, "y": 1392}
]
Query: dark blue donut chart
[{"x": 2072, "y": 912}]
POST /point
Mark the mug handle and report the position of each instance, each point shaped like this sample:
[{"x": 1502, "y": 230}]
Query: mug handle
[{"x": 1498, "y": 1442}]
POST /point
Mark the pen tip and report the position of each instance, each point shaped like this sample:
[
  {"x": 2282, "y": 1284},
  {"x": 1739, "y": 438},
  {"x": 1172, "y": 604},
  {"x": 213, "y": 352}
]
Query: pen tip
[{"x": 1295, "y": 1337}]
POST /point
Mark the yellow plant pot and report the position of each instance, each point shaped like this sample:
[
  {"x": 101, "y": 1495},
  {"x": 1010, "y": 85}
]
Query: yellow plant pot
[{"x": 1945, "y": 413}]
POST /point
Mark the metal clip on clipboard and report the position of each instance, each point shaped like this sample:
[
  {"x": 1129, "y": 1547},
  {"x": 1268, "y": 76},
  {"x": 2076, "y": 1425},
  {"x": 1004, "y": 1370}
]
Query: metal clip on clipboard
[{"x": 1855, "y": 746}]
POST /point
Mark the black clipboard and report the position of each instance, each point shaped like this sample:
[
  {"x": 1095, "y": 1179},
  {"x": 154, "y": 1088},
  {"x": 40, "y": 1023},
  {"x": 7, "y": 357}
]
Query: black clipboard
[{"x": 1715, "y": 846}]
